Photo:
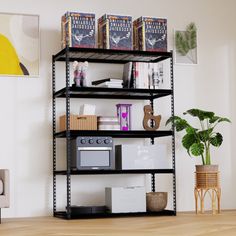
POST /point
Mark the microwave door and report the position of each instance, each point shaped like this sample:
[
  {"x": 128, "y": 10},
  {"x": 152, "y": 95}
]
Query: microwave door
[{"x": 94, "y": 157}]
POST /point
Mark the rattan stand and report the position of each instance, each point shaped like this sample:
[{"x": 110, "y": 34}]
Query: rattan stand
[{"x": 207, "y": 183}]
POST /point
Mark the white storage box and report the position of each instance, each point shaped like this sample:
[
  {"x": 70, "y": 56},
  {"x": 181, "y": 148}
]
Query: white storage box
[
  {"x": 87, "y": 109},
  {"x": 142, "y": 157},
  {"x": 126, "y": 199}
]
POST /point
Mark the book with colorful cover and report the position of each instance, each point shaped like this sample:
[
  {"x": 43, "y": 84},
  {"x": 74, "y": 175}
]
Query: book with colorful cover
[
  {"x": 115, "y": 32},
  {"x": 150, "y": 34},
  {"x": 78, "y": 29}
]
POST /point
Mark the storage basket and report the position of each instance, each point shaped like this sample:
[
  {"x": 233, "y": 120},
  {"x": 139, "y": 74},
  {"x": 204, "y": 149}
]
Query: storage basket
[{"x": 156, "y": 201}]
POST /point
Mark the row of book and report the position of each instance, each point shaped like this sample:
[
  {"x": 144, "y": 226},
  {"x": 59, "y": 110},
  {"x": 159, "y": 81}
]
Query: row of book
[
  {"x": 136, "y": 75},
  {"x": 143, "y": 75},
  {"x": 114, "y": 32},
  {"x": 108, "y": 123}
]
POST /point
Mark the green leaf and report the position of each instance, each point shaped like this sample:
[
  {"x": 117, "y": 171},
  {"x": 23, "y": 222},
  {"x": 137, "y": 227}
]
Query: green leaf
[
  {"x": 224, "y": 119},
  {"x": 205, "y": 134},
  {"x": 202, "y": 115},
  {"x": 219, "y": 119},
  {"x": 191, "y": 35},
  {"x": 214, "y": 119},
  {"x": 188, "y": 140},
  {"x": 179, "y": 123},
  {"x": 216, "y": 140},
  {"x": 197, "y": 149},
  {"x": 191, "y": 130},
  {"x": 181, "y": 43}
]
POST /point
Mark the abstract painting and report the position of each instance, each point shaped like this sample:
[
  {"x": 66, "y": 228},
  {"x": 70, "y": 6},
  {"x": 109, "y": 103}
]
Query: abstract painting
[{"x": 19, "y": 45}]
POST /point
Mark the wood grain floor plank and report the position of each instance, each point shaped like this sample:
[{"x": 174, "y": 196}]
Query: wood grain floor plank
[{"x": 184, "y": 224}]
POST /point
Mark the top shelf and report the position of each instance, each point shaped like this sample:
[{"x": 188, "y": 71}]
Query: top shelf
[{"x": 110, "y": 56}]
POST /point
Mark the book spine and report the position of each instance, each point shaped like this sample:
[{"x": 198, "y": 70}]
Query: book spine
[{"x": 63, "y": 33}]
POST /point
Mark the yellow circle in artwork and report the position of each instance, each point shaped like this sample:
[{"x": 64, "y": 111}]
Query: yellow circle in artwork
[{"x": 9, "y": 61}]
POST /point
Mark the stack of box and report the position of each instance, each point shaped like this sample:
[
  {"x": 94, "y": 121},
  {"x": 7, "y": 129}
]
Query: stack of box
[
  {"x": 78, "y": 30},
  {"x": 115, "y": 32},
  {"x": 108, "y": 123},
  {"x": 150, "y": 34}
]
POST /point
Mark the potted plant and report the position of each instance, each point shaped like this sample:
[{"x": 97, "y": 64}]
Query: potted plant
[{"x": 198, "y": 140}]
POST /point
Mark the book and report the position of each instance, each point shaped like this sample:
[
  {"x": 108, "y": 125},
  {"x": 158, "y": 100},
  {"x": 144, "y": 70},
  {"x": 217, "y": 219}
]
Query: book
[
  {"x": 109, "y": 127},
  {"x": 108, "y": 119},
  {"x": 127, "y": 72},
  {"x": 106, "y": 80},
  {"x": 150, "y": 34},
  {"x": 78, "y": 30},
  {"x": 115, "y": 32}
]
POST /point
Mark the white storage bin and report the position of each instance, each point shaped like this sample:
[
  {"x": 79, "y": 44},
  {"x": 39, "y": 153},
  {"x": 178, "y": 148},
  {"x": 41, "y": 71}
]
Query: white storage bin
[
  {"x": 142, "y": 157},
  {"x": 126, "y": 199}
]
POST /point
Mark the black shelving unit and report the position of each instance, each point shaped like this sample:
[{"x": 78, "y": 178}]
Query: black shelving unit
[{"x": 69, "y": 92}]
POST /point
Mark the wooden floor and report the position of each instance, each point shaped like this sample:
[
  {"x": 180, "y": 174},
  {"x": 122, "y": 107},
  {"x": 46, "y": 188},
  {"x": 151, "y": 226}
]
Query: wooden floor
[{"x": 185, "y": 224}]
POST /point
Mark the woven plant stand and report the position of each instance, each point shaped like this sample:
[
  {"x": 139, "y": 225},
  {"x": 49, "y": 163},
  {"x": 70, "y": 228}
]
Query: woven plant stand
[{"x": 207, "y": 183}]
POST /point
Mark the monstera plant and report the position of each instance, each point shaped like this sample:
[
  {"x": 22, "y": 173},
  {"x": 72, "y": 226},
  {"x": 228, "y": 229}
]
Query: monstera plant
[{"x": 198, "y": 140}]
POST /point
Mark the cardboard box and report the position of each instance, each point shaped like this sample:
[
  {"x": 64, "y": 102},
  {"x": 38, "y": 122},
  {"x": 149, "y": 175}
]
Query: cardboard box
[
  {"x": 78, "y": 122},
  {"x": 125, "y": 199},
  {"x": 73, "y": 122},
  {"x": 86, "y": 122}
]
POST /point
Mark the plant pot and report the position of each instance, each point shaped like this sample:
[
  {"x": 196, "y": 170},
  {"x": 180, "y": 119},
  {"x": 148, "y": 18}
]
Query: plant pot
[
  {"x": 156, "y": 201},
  {"x": 207, "y": 176}
]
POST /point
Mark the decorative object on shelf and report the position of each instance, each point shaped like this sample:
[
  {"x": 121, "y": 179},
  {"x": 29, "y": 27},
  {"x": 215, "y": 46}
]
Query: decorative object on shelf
[
  {"x": 78, "y": 30},
  {"x": 115, "y": 32},
  {"x": 186, "y": 45},
  {"x": 19, "y": 45},
  {"x": 124, "y": 114},
  {"x": 156, "y": 201},
  {"x": 150, "y": 122},
  {"x": 198, "y": 141},
  {"x": 80, "y": 73},
  {"x": 150, "y": 34}
]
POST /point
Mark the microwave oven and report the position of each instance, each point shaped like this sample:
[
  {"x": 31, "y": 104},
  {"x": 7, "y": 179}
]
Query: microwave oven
[{"x": 92, "y": 153}]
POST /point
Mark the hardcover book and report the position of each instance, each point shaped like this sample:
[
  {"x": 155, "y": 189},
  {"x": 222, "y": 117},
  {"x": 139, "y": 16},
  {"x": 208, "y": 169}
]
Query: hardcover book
[
  {"x": 150, "y": 34},
  {"x": 115, "y": 32},
  {"x": 78, "y": 30}
]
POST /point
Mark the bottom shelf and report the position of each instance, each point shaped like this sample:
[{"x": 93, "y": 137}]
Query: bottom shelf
[{"x": 62, "y": 214}]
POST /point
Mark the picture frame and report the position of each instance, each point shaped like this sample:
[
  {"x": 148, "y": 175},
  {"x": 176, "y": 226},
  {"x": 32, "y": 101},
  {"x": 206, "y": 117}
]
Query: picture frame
[
  {"x": 20, "y": 45},
  {"x": 191, "y": 58}
]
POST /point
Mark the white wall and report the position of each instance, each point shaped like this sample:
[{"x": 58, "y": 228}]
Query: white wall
[{"x": 26, "y": 138}]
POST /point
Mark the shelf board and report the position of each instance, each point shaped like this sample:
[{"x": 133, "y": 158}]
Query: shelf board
[
  {"x": 62, "y": 214},
  {"x": 109, "y": 172},
  {"x": 112, "y": 93},
  {"x": 116, "y": 133},
  {"x": 110, "y": 56}
]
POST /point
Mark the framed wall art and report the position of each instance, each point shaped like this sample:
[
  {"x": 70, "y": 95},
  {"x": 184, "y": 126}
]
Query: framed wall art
[
  {"x": 185, "y": 42},
  {"x": 19, "y": 45}
]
